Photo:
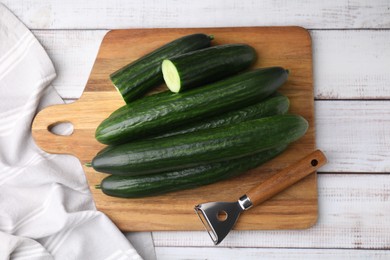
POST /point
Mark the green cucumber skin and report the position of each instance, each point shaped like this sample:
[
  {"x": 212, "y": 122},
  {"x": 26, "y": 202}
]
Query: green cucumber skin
[
  {"x": 136, "y": 78},
  {"x": 146, "y": 100},
  {"x": 142, "y": 119},
  {"x": 200, "y": 147},
  {"x": 212, "y": 64},
  {"x": 274, "y": 105},
  {"x": 160, "y": 183}
]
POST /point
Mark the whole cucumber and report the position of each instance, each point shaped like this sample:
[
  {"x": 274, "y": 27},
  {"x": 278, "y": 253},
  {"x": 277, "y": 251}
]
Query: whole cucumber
[
  {"x": 160, "y": 183},
  {"x": 274, "y": 105},
  {"x": 158, "y": 113},
  {"x": 200, "y": 147}
]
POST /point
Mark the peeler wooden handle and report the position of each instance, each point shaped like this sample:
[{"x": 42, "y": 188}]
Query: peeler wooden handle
[{"x": 286, "y": 177}]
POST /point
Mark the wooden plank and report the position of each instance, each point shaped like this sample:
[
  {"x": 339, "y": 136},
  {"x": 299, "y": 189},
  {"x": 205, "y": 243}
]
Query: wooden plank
[
  {"x": 347, "y": 64},
  {"x": 351, "y": 64},
  {"x": 172, "y": 253},
  {"x": 354, "y": 212},
  {"x": 122, "y": 14},
  {"x": 73, "y": 54},
  {"x": 294, "y": 208},
  {"x": 354, "y": 135}
]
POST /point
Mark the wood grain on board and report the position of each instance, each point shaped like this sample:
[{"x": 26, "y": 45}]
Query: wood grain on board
[{"x": 295, "y": 208}]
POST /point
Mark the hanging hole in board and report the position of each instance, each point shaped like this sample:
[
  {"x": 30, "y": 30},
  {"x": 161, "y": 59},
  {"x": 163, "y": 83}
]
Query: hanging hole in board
[
  {"x": 314, "y": 162},
  {"x": 64, "y": 128}
]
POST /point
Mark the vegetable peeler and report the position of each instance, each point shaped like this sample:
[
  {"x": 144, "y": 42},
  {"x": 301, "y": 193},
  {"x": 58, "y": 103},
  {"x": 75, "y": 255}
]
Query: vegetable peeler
[{"x": 220, "y": 217}]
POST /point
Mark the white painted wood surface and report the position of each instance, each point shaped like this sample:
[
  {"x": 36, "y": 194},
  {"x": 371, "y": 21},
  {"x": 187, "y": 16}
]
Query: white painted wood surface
[
  {"x": 351, "y": 54},
  {"x": 354, "y": 213},
  {"x": 194, "y": 253},
  {"x": 355, "y": 135},
  {"x": 349, "y": 64},
  {"x": 113, "y": 14}
]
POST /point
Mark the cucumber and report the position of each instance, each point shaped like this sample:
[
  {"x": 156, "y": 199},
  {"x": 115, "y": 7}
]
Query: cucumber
[
  {"x": 145, "y": 118},
  {"x": 200, "y": 147},
  {"x": 146, "y": 100},
  {"x": 275, "y": 105},
  {"x": 207, "y": 65},
  {"x": 136, "y": 78},
  {"x": 160, "y": 183}
]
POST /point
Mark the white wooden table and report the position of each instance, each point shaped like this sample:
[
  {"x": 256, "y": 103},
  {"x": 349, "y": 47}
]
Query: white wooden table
[{"x": 351, "y": 45}]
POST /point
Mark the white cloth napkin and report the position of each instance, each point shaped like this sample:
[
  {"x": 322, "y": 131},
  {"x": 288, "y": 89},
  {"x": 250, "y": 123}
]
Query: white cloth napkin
[{"x": 46, "y": 209}]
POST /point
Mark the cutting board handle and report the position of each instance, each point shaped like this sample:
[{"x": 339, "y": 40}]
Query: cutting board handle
[
  {"x": 85, "y": 115},
  {"x": 46, "y": 119}
]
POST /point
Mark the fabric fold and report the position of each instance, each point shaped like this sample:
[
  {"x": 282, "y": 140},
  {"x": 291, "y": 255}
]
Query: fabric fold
[{"x": 46, "y": 208}]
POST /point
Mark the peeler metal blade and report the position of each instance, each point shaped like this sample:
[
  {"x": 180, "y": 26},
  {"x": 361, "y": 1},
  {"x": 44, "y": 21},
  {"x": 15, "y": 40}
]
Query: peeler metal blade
[{"x": 219, "y": 218}]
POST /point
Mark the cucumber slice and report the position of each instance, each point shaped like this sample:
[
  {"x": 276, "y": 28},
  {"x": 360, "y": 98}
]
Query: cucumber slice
[{"x": 171, "y": 76}]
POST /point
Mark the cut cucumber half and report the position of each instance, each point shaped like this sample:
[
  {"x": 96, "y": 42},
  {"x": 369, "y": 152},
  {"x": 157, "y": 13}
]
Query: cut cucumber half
[
  {"x": 171, "y": 76},
  {"x": 138, "y": 77}
]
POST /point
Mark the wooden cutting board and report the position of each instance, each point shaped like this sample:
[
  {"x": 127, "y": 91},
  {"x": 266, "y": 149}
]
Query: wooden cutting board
[{"x": 295, "y": 208}]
